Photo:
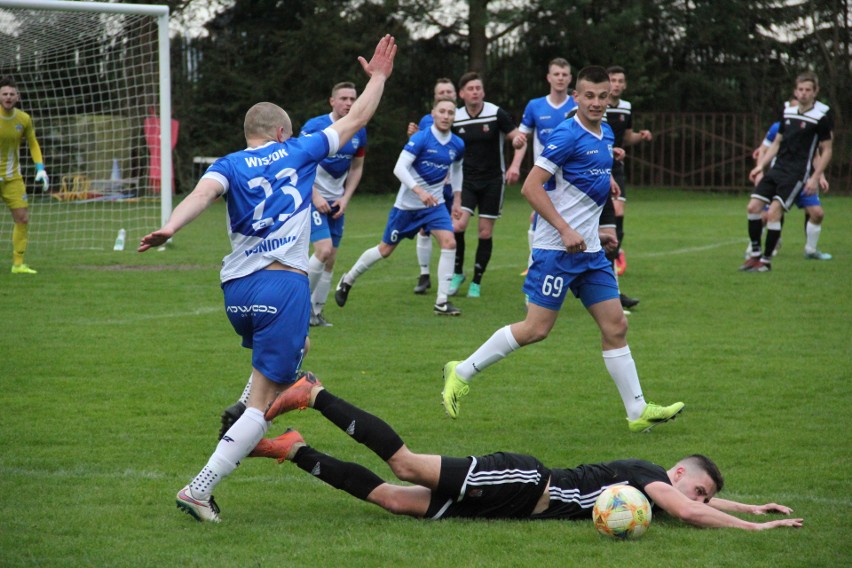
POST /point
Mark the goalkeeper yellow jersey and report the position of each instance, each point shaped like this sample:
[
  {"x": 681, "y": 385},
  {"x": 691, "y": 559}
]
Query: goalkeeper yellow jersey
[{"x": 13, "y": 129}]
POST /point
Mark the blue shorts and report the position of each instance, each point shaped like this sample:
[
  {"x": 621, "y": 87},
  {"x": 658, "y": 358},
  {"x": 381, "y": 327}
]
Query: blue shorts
[
  {"x": 589, "y": 276},
  {"x": 804, "y": 201},
  {"x": 324, "y": 227},
  {"x": 271, "y": 309},
  {"x": 404, "y": 224},
  {"x": 448, "y": 202}
]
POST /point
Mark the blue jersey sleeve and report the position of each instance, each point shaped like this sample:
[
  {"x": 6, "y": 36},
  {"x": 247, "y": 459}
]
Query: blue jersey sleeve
[
  {"x": 415, "y": 144},
  {"x": 426, "y": 122}
]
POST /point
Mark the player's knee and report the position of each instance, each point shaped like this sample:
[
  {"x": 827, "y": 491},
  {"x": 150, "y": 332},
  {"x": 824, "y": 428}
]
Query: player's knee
[
  {"x": 755, "y": 207},
  {"x": 323, "y": 252},
  {"x": 816, "y": 215},
  {"x": 615, "y": 331}
]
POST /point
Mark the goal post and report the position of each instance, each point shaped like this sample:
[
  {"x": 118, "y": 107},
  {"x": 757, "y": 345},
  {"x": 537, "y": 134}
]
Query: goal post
[{"x": 95, "y": 78}]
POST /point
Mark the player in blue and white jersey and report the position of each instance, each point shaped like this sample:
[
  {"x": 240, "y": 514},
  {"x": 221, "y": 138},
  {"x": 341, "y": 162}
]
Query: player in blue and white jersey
[
  {"x": 803, "y": 147},
  {"x": 444, "y": 88},
  {"x": 567, "y": 187},
  {"x": 543, "y": 114},
  {"x": 814, "y": 213},
  {"x": 267, "y": 188},
  {"x": 422, "y": 167},
  {"x": 337, "y": 178}
]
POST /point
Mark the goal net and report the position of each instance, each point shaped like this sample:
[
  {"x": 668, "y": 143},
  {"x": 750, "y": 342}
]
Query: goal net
[{"x": 94, "y": 77}]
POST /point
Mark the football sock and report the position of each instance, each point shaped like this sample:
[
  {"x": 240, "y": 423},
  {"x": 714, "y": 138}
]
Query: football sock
[
  {"x": 619, "y": 231},
  {"x": 445, "y": 273},
  {"x": 246, "y": 391},
  {"x": 367, "y": 259},
  {"x": 755, "y": 228},
  {"x": 812, "y": 236},
  {"x": 622, "y": 369},
  {"x": 483, "y": 255},
  {"x": 19, "y": 242},
  {"x": 320, "y": 294},
  {"x": 315, "y": 270},
  {"x": 773, "y": 233},
  {"x": 498, "y": 347},
  {"x": 365, "y": 428},
  {"x": 459, "y": 265},
  {"x": 424, "y": 252},
  {"x": 237, "y": 443},
  {"x": 353, "y": 478}
]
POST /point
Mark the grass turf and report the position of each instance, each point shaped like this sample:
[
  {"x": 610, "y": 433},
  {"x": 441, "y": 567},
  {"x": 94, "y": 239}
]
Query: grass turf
[{"x": 116, "y": 366}]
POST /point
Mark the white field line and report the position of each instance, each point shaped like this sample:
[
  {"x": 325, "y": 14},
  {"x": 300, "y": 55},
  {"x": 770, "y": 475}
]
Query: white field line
[{"x": 370, "y": 279}]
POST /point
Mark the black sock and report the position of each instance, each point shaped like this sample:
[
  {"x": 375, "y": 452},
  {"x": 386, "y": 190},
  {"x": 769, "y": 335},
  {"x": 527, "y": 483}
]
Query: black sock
[
  {"x": 459, "y": 266},
  {"x": 365, "y": 428},
  {"x": 353, "y": 478},
  {"x": 755, "y": 228},
  {"x": 619, "y": 231},
  {"x": 483, "y": 255},
  {"x": 772, "y": 237}
]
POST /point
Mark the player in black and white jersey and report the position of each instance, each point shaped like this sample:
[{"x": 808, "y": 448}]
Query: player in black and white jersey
[
  {"x": 499, "y": 485},
  {"x": 483, "y": 127},
  {"x": 619, "y": 116},
  {"x": 801, "y": 152}
]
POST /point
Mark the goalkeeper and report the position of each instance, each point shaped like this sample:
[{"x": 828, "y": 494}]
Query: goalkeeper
[{"x": 14, "y": 126}]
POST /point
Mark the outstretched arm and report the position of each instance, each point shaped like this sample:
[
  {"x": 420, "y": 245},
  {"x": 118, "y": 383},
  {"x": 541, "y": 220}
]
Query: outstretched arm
[
  {"x": 700, "y": 514},
  {"x": 191, "y": 207},
  {"x": 736, "y": 507},
  {"x": 378, "y": 69}
]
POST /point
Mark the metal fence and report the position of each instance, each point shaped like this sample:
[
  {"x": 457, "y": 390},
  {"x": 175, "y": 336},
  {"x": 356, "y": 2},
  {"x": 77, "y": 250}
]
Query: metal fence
[{"x": 712, "y": 151}]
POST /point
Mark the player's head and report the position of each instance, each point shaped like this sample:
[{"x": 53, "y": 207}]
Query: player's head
[
  {"x": 697, "y": 477},
  {"x": 559, "y": 74},
  {"x": 591, "y": 93},
  {"x": 617, "y": 80},
  {"x": 471, "y": 89},
  {"x": 807, "y": 87},
  {"x": 443, "y": 113},
  {"x": 444, "y": 88},
  {"x": 343, "y": 96},
  {"x": 8, "y": 92},
  {"x": 267, "y": 121}
]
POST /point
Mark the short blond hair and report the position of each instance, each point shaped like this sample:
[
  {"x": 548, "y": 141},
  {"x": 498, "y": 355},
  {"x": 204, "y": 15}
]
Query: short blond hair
[{"x": 264, "y": 120}]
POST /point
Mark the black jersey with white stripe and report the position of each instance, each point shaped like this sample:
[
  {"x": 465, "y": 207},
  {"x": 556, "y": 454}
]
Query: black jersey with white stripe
[
  {"x": 483, "y": 141},
  {"x": 573, "y": 491},
  {"x": 801, "y": 134},
  {"x": 620, "y": 119}
]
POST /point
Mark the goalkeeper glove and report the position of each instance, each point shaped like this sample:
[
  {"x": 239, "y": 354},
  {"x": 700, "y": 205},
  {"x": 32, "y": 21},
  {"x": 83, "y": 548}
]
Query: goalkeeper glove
[{"x": 41, "y": 177}]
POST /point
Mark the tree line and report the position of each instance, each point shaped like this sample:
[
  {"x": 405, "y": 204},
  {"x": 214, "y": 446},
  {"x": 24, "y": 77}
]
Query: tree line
[{"x": 681, "y": 56}]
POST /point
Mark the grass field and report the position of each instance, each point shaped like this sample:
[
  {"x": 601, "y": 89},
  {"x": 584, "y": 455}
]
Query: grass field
[{"x": 116, "y": 366}]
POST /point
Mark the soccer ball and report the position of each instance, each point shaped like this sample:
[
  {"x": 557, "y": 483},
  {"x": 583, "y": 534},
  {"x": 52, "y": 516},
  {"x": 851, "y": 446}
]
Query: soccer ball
[{"x": 622, "y": 512}]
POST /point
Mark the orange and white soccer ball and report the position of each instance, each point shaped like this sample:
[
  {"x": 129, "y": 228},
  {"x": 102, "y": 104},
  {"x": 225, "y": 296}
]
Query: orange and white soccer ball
[{"x": 622, "y": 512}]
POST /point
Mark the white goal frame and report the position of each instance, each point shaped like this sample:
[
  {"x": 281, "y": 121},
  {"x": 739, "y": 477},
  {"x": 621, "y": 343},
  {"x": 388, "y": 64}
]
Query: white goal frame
[{"x": 161, "y": 13}]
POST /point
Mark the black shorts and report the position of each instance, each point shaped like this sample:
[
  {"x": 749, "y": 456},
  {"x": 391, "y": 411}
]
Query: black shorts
[
  {"x": 486, "y": 196},
  {"x": 780, "y": 186},
  {"x": 607, "y": 218},
  {"x": 620, "y": 178},
  {"x": 495, "y": 486}
]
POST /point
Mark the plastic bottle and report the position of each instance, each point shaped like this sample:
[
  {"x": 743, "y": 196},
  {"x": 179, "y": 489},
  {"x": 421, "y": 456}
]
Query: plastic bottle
[{"x": 119, "y": 240}]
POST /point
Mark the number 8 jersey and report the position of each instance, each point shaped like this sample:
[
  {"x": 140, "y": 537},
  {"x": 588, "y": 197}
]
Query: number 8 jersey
[{"x": 268, "y": 198}]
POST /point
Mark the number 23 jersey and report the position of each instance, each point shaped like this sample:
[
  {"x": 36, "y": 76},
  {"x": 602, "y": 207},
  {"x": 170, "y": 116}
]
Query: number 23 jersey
[{"x": 268, "y": 198}]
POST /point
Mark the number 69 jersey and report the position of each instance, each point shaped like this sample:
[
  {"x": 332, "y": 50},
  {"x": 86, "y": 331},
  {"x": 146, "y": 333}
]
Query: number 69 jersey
[{"x": 268, "y": 197}]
